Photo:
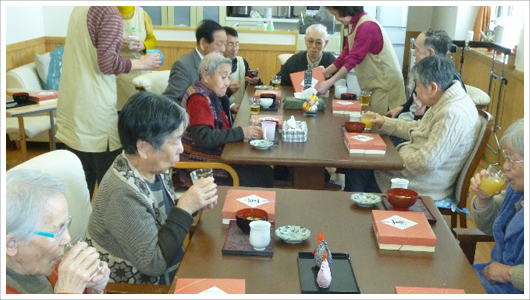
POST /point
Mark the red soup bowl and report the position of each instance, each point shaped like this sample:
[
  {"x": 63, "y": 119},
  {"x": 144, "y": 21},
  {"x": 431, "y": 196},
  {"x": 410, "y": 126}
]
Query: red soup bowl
[
  {"x": 246, "y": 215},
  {"x": 401, "y": 199},
  {"x": 354, "y": 126}
]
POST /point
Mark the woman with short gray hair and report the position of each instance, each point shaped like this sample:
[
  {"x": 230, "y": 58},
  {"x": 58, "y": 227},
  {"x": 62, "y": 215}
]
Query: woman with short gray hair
[
  {"x": 36, "y": 232},
  {"x": 136, "y": 223},
  {"x": 211, "y": 124},
  {"x": 502, "y": 215}
]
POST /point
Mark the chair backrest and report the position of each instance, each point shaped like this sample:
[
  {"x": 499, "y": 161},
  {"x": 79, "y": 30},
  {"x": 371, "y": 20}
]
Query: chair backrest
[
  {"x": 67, "y": 167},
  {"x": 155, "y": 82},
  {"x": 208, "y": 164},
  {"x": 284, "y": 57},
  {"x": 462, "y": 183}
]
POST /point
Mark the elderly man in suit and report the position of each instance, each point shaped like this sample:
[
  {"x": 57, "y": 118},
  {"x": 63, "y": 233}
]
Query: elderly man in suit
[{"x": 211, "y": 37}]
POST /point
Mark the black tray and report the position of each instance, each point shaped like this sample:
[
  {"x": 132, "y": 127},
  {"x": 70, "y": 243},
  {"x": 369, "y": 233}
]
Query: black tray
[
  {"x": 342, "y": 277},
  {"x": 274, "y": 107}
]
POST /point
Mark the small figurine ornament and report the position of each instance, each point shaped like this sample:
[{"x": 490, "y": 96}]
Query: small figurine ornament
[
  {"x": 311, "y": 105},
  {"x": 324, "y": 274},
  {"x": 320, "y": 249}
]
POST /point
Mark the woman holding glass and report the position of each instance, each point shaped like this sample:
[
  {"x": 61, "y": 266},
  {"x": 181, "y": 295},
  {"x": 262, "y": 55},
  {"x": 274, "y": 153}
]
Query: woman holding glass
[
  {"x": 137, "y": 225},
  {"x": 502, "y": 215},
  {"x": 36, "y": 235},
  {"x": 369, "y": 50},
  {"x": 211, "y": 123}
]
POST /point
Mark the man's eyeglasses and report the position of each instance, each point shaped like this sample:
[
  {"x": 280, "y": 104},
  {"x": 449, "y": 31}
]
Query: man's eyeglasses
[
  {"x": 232, "y": 45},
  {"x": 318, "y": 43},
  {"x": 57, "y": 236},
  {"x": 510, "y": 161}
]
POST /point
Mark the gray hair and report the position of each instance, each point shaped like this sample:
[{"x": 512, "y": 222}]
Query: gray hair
[
  {"x": 27, "y": 194},
  {"x": 514, "y": 137},
  {"x": 434, "y": 68},
  {"x": 212, "y": 62},
  {"x": 438, "y": 40},
  {"x": 320, "y": 29}
]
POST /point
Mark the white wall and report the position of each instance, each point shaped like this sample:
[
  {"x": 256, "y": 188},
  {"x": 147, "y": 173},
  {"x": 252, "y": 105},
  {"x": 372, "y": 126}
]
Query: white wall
[
  {"x": 445, "y": 17},
  {"x": 56, "y": 19},
  {"x": 24, "y": 23},
  {"x": 419, "y": 18},
  {"x": 465, "y": 20}
]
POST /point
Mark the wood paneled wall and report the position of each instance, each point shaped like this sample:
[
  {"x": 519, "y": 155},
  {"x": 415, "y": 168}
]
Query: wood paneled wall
[
  {"x": 476, "y": 72},
  {"x": 259, "y": 56}
]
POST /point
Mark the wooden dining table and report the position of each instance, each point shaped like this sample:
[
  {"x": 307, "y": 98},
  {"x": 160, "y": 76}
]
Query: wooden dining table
[
  {"x": 348, "y": 229},
  {"x": 324, "y": 146}
]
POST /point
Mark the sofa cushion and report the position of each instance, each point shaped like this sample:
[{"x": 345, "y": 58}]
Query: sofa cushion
[
  {"x": 32, "y": 125},
  {"x": 23, "y": 78},
  {"x": 49, "y": 67}
]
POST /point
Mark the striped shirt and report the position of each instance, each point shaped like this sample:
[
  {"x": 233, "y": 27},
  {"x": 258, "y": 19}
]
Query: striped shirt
[{"x": 105, "y": 27}]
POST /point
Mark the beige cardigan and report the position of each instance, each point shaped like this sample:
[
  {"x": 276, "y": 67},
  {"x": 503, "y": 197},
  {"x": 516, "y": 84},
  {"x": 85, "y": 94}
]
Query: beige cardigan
[{"x": 437, "y": 145}]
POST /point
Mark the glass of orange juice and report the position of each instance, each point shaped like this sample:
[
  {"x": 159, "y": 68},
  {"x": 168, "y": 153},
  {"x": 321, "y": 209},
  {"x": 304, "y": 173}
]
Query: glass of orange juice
[
  {"x": 493, "y": 181},
  {"x": 367, "y": 122}
]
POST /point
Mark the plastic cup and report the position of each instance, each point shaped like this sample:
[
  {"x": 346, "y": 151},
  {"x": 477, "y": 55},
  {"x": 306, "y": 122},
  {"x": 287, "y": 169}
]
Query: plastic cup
[
  {"x": 131, "y": 39},
  {"x": 367, "y": 122},
  {"x": 493, "y": 181},
  {"x": 276, "y": 81},
  {"x": 149, "y": 51},
  {"x": 269, "y": 130},
  {"x": 74, "y": 242},
  {"x": 399, "y": 183}
]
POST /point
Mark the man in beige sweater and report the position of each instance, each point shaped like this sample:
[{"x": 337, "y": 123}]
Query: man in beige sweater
[{"x": 436, "y": 146}]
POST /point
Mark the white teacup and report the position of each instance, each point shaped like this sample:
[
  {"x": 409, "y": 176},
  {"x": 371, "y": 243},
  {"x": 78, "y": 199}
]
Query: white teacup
[
  {"x": 132, "y": 38},
  {"x": 260, "y": 234},
  {"x": 399, "y": 183}
]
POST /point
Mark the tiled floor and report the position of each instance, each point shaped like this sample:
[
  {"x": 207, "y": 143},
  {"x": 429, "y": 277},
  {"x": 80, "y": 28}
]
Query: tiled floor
[{"x": 13, "y": 158}]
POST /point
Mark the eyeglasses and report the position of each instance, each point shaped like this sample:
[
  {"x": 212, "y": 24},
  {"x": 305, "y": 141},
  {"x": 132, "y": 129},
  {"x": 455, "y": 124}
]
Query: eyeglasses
[
  {"x": 318, "y": 43},
  {"x": 232, "y": 45},
  {"x": 510, "y": 161},
  {"x": 57, "y": 236}
]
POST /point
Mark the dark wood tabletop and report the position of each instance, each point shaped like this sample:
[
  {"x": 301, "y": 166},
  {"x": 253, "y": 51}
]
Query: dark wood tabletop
[
  {"x": 347, "y": 228},
  {"x": 324, "y": 147}
]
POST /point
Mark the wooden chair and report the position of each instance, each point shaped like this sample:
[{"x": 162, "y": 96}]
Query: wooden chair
[
  {"x": 461, "y": 191},
  {"x": 468, "y": 238}
]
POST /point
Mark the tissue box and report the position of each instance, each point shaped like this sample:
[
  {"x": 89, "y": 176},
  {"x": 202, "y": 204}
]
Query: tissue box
[{"x": 298, "y": 134}]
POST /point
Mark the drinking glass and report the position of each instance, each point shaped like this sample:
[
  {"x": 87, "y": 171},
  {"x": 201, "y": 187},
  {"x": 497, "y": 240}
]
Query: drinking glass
[
  {"x": 276, "y": 81},
  {"x": 254, "y": 105},
  {"x": 74, "y": 242},
  {"x": 366, "y": 96},
  {"x": 200, "y": 173},
  {"x": 493, "y": 181},
  {"x": 367, "y": 122}
]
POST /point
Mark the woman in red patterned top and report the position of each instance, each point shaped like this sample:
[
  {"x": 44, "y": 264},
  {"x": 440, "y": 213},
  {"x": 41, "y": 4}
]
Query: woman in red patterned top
[{"x": 210, "y": 125}]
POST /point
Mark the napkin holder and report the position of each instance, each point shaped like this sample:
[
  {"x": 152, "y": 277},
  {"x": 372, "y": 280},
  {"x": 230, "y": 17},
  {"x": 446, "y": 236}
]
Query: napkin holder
[{"x": 296, "y": 135}]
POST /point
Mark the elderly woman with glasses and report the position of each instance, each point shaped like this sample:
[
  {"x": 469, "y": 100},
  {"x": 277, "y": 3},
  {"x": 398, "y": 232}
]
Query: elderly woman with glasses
[
  {"x": 137, "y": 225},
  {"x": 502, "y": 215},
  {"x": 316, "y": 40},
  {"x": 36, "y": 234},
  {"x": 211, "y": 123}
]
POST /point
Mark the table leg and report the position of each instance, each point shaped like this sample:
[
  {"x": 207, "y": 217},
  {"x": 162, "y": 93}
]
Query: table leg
[
  {"x": 22, "y": 139},
  {"x": 52, "y": 132},
  {"x": 309, "y": 178}
]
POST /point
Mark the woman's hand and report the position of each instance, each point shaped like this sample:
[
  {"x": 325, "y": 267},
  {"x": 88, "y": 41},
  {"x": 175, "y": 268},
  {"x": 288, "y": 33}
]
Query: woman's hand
[
  {"x": 497, "y": 272},
  {"x": 147, "y": 62},
  {"x": 99, "y": 281},
  {"x": 253, "y": 132},
  {"x": 394, "y": 112},
  {"x": 137, "y": 46},
  {"x": 202, "y": 194},
  {"x": 324, "y": 87},
  {"x": 376, "y": 119},
  {"x": 483, "y": 199},
  {"x": 76, "y": 269}
]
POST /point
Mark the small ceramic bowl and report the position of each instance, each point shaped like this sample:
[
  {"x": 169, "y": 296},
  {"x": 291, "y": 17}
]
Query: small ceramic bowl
[
  {"x": 354, "y": 126},
  {"x": 365, "y": 199},
  {"x": 266, "y": 102},
  {"x": 261, "y": 144},
  {"x": 246, "y": 215},
  {"x": 293, "y": 234},
  {"x": 401, "y": 199}
]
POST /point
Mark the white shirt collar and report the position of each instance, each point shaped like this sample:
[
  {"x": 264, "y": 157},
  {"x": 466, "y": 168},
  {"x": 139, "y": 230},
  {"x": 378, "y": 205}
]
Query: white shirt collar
[{"x": 198, "y": 52}]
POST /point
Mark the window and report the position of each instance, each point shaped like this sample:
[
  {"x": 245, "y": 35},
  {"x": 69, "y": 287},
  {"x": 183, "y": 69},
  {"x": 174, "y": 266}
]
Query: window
[
  {"x": 505, "y": 26},
  {"x": 184, "y": 16}
]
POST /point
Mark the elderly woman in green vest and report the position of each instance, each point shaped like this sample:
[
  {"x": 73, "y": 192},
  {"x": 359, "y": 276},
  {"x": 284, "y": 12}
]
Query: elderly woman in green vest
[{"x": 369, "y": 51}]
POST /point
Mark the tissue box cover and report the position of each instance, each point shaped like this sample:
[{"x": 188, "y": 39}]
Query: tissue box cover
[
  {"x": 210, "y": 286},
  {"x": 257, "y": 119},
  {"x": 298, "y": 134},
  {"x": 346, "y": 107},
  {"x": 239, "y": 199},
  {"x": 364, "y": 143},
  {"x": 403, "y": 230},
  {"x": 278, "y": 93},
  {"x": 298, "y": 79},
  {"x": 426, "y": 290}
]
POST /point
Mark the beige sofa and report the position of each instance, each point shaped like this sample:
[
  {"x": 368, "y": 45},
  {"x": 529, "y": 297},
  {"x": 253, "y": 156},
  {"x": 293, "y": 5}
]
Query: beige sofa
[{"x": 26, "y": 78}]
